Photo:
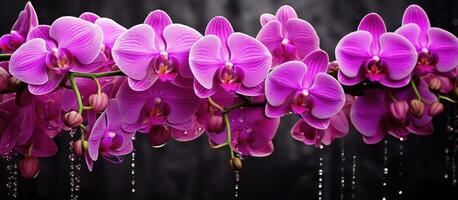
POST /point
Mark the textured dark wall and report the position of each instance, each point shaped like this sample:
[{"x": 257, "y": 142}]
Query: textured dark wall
[{"x": 194, "y": 171}]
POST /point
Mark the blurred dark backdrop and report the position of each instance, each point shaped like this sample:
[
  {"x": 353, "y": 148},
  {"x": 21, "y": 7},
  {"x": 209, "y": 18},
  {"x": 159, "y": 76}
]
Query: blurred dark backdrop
[{"x": 194, "y": 171}]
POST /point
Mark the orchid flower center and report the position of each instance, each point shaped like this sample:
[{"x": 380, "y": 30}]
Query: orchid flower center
[
  {"x": 426, "y": 61},
  {"x": 287, "y": 50},
  {"x": 301, "y": 102},
  {"x": 375, "y": 69},
  {"x": 110, "y": 141},
  {"x": 156, "y": 112},
  {"x": 245, "y": 136},
  {"x": 230, "y": 77},
  {"x": 59, "y": 60},
  {"x": 164, "y": 67},
  {"x": 107, "y": 51}
]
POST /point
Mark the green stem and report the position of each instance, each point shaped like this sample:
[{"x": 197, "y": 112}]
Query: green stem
[
  {"x": 99, "y": 87},
  {"x": 229, "y": 136},
  {"x": 77, "y": 93},
  {"x": 415, "y": 89},
  {"x": 5, "y": 57},
  {"x": 98, "y": 75},
  {"x": 446, "y": 98}
]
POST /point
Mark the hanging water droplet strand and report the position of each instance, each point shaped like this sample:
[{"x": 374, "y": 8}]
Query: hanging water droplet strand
[
  {"x": 320, "y": 173},
  {"x": 400, "y": 172},
  {"x": 75, "y": 167},
  {"x": 454, "y": 143},
  {"x": 385, "y": 169},
  {"x": 449, "y": 134},
  {"x": 353, "y": 178},
  {"x": 132, "y": 165},
  {"x": 342, "y": 170},
  {"x": 11, "y": 170}
]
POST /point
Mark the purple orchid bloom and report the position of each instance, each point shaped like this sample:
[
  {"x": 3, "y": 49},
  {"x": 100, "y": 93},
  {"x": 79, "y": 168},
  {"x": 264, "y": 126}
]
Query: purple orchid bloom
[
  {"x": 26, "y": 21},
  {"x": 251, "y": 132},
  {"x": 437, "y": 48},
  {"x": 107, "y": 138},
  {"x": 69, "y": 44},
  {"x": 228, "y": 61},
  {"x": 286, "y": 36},
  {"x": 154, "y": 50},
  {"x": 338, "y": 128},
  {"x": 373, "y": 54},
  {"x": 158, "y": 111},
  {"x": 305, "y": 89},
  {"x": 372, "y": 117}
]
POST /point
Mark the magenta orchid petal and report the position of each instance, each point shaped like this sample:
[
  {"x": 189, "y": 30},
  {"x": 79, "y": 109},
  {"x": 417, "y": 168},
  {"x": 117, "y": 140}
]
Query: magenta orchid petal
[
  {"x": 375, "y": 25},
  {"x": 387, "y": 81},
  {"x": 379, "y": 135},
  {"x": 329, "y": 97},
  {"x": 89, "y": 162},
  {"x": 111, "y": 31},
  {"x": 352, "y": 51},
  {"x": 426, "y": 129},
  {"x": 271, "y": 35},
  {"x": 27, "y": 20},
  {"x": 345, "y": 80},
  {"x": 203, "y": 92},
  {"x": 43, "y": 145},
  {"x": 339, "y": 125},
  {"x": 367, "y": 112},
  {"x": 82, "y": 38},
  {"x": 303, "y": 36},
  {"x": 132, "y": 102},
  {"x": 283, "y": 81},
  {"x": 316, "y": 122},
  {"x": 277, "y": 111},
  {"x": 251, "y": 56},
  {"x": 266, "y": 18},
  {"x": 28, "y": 63},
  {"x": 96, "y": 135},
  {"x": 445, "y": 45},
  {"x": 91, "y": 67},
  {"x": 144, "y": 84},
  {"x": 42, "y": 31},
  {"x": 222, "y": 28},
  {"x": 133, "y": 51},
  {"x": 251, "y": 91},
  {"x": 317, "y": 62},
  {"x": 183, "y": 101},
  {"x": 158, "y": 19},
  {"x": 400, "y": 56},
  {"x": 89, "y": 16},
  {"x": 49, "y": 86},
  {"x": 204, "y": 60},
  {"x": 415, "y": 14},
  {"x": 285, "y": 13},
  {"x": 261, "y": 150},
  {"x": 411, "y": 32}
]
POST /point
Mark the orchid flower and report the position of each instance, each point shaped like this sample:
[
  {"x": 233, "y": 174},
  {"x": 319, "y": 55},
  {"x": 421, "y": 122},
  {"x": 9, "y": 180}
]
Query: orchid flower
[
  {"x": 437, "y": 48},
  {"x": 373, "y": 54},
  {"x": 228, "y": 61},
  {"x": 69, "y": 44},
  {"x": 251, "y": 132},
  {"x": 27, "y": 20},
  {"x": 286, "y": 36},
  {"x": 158, "y": 110},
  {"x": 372, "y": 117},
  {"x": 154, "y": 50},
  {"x": 107, "y": 138},
  {"x": 305, "y": 89}
]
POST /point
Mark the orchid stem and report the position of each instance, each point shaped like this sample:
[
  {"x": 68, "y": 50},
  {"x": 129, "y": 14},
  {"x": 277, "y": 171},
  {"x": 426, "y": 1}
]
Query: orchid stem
[
  {"x": 216, "y": 105},
  {"x": 415, "y": 90},
  {"x": 229, "y": 135},
  {"x": 98, "y": 75},
  {"x": 447, "y": 99},
  {"x": 5, "y": 57},
  {"x": 99, "y": 88},
  {"x": 77, "y": 93}
]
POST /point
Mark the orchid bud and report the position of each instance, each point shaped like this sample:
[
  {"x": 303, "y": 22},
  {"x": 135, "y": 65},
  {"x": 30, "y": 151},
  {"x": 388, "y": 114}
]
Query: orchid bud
[
  {"x": 159, "y": 135},
  {"x": 235, "y": 163},
  {"x": 417, "y": 108},
  {"x": 78, "y": 148},
  {"x": 455, "y": 90},
  {"x": 435, "y": 109},
  {"x": 29, "y": 167},
  {"x": 98, "y": 102},
  {"x": 215, "y": 124},
  {"x": 73, "y": 119},
  {"x": 399, "y": 109},
  {"x": 435, "y": 84},
  {"x": 13, "y": 83},
  {"x": 333, "y": 67},
  {"x": 85, "y": 145},
  {"x": 4, "y": 76}
]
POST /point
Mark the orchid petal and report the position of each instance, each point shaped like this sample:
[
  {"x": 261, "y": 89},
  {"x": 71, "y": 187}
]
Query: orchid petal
[
  {"x": 28, "y": 62},
  {"x": 329, "y": 97},
  {"x": 375, "y": 25},
  {"x": 399, "y": 55},
  {"x": 204, "y": 60},
  {"x": 266, "y": 18},
  {"x": 352, "y": 51},
  {"x": 158, "y": 20},
  {"x": 270, "y": 35},
  {"x": 111, "y": 30},
  {"x": 131, "y": 102},
  {"x": 415, "y": 14},
  {"x": 303, "y": 36},
  {"x": 445, "y": 45},
  {"x": 367, "y": 112},
  {"x": 317, "y": 62},
  {"x": 316, "y": 122},
  {"x": 49, "y": 86},
  {"x": 283, "y": 81}
]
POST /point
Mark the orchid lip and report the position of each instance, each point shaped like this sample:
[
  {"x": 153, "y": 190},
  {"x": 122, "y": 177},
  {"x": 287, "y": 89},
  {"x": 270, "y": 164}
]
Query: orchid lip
[
  {"x": 285, "y": 42},
  {"x": 59, "y": 60}
]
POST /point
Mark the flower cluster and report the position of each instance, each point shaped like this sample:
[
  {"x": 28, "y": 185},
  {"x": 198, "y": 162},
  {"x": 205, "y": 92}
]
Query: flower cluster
[{"x": 165, "y": 80}]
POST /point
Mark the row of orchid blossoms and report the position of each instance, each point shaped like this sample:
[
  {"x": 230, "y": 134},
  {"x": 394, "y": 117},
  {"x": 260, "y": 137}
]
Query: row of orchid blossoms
[{"x": 165, "y": 80}]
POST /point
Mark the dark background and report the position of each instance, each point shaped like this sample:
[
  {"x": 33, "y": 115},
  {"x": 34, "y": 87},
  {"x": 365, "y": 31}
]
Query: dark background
[{"x": 194, "y": 171}]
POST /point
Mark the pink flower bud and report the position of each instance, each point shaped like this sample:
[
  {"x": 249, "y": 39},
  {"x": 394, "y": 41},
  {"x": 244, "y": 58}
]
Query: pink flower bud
[
  {"x": 235, "y": 163},
  {"x": 333, "y": 67},
  {"x": 159, "y": 135},
  {"x": 98, "y": 102},
  {"x": 417, "y": 108},
  {"x": 73, "y": 119},
  {"x": 4, "y": 76},
  {"x": 215, "y": 124},
  {"x": 13, "y": 83},
  {"x": 399, "y": 109},
  {"x": 435, "y": 84},
  {"x": 29, "y": 167},
  {"x": 435, "y": 109},
  {"x": 78, "y": 148}
]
